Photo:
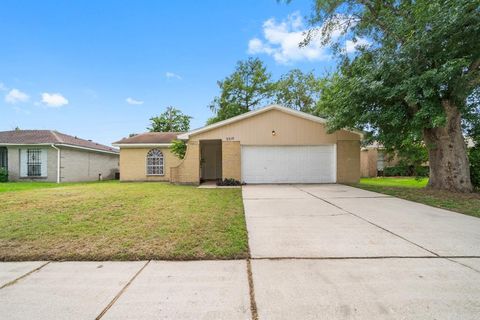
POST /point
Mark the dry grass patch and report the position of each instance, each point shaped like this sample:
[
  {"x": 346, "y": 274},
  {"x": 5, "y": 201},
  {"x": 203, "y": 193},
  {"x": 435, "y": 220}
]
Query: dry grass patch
[{"x": 122, "y": 221}]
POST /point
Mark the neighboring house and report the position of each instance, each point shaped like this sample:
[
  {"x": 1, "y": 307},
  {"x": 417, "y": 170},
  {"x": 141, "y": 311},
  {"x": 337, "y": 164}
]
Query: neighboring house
[
  {"x": 269, "y": 145},
  {"x": 373, "y": 161},
  {"x": 47, "y": 155}
]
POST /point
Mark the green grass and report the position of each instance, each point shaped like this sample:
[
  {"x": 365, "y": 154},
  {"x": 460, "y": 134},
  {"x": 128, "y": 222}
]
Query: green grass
[
  {"x": 122, "y": 221},
  {"x": 414, "y": 190},
  {"x": 20, "y": 186},
  {"x": 404, "y": 182}
]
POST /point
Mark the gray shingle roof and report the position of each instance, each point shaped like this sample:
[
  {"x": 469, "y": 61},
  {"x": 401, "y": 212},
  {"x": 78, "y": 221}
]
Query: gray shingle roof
[
  {"x": 49, "y": 137},
  {"x": 150, "y": 137}
]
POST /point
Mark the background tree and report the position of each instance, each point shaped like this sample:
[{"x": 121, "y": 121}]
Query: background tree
[
  {"x": 298, "y": 90},
  {"x": 172, "y": 120},
  {"x": 413, "y": 79},
  {"x": 247, "y": 88}
]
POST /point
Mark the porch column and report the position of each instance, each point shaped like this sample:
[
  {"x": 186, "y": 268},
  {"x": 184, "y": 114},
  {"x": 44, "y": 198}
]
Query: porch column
[{"x": 231, "y": 160}]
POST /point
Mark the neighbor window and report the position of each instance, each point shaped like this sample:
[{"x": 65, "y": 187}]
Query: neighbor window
[
  {"x": 34, "y": 162},
  {"x": 155, "y": 162},
  {"x": 3, "y": 158},
  {"x": 380, "y": 161}
]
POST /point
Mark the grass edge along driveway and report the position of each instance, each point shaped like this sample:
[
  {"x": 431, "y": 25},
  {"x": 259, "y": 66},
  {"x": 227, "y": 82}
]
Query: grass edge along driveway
[
  {"x": 122, "y": 221},
  {"x": 413, "y": 189}
]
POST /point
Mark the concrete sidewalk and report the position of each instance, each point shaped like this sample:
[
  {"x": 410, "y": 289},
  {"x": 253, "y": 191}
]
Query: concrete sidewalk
[{"x": 125, "y": 290}]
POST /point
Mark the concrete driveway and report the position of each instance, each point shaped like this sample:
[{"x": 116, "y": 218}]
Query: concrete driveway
[
  {"x": 337, "y": 252},
  {"x": 318, "y": 252}
]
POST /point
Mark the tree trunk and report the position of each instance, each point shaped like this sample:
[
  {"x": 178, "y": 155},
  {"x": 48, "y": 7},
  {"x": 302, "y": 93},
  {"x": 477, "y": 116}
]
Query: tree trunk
[{"x": 449, "y": 167}]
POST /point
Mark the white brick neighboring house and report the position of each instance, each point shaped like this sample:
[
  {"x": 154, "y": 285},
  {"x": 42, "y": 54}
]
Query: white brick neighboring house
[{"x": 47, "y": 155}]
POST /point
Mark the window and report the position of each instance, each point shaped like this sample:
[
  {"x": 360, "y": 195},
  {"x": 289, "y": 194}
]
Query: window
[
  {"x": 3, "y": 158},
  {"x": 34, "y": 162},
  {"x": 380, "y": 161},
  {"x": 155, "y": 162}
]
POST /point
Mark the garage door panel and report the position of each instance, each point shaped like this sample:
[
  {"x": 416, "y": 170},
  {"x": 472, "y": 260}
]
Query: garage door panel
[{"x": 288, "y": 164}]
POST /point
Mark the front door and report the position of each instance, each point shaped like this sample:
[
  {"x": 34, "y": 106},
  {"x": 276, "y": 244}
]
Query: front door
[{"x": 211, "y": 161}]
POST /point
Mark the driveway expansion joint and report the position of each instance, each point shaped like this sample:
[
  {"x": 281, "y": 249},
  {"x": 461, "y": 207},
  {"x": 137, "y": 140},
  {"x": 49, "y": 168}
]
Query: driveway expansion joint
[
  {"x": 24, "y": 276},
  {"x": 462, "y": 264},
  {"x": 368, "y": 221}
]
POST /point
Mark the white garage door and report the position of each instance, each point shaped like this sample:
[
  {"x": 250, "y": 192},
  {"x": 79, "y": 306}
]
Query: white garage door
[{"x": 289, "y": 164}]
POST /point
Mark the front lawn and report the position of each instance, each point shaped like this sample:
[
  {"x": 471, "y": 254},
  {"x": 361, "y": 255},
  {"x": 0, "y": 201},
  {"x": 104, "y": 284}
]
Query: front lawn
[
  {"x": 122, "y": 221},
  {"x": 19, "y": 186},
  {"x": 414, "y": 190}
]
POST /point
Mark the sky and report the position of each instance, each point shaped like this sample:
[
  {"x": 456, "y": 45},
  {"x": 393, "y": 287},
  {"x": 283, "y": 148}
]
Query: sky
[{"x": 100, "y": 69}]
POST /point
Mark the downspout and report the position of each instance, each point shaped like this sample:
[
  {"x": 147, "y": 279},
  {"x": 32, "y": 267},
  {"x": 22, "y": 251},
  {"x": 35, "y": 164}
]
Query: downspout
[{"x": 58, "y": 162}]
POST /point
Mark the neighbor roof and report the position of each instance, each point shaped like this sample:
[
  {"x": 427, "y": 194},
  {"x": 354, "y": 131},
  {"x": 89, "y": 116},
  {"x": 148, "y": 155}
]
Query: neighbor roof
[
  {"x": 186, "y": 135},
  {"x": 46, "y": 137},
  {"x": 150, "y": 138}
]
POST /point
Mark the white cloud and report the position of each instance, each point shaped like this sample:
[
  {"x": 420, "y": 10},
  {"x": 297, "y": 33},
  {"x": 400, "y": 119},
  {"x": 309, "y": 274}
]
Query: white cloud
[
  {"x": 282, "y": 39},
  {"x": 171, "y": 75},
  {"x": 54, "y": 100},
  {"x": 351, "y": 46},
  {"x": 15, "y": 96},
  {"x": 133, "y": 101},
  {"x": 3, "y": 87}
]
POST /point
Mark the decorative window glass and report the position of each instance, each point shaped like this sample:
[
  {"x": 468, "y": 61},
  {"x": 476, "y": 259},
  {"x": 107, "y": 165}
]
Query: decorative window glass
[
  {"x": 155, "y": 162},
  {"x": 34, "y": 162}
]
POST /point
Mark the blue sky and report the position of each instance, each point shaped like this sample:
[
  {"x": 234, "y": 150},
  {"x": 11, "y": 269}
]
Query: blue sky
[{"x": 101, "y": 69}]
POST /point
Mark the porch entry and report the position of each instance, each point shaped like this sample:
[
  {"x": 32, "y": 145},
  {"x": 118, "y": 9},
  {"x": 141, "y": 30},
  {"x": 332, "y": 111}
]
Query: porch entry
[{"x": 211, "y": 159}]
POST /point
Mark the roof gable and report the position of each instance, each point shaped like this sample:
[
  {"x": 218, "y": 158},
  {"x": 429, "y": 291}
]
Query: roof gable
[{"x": 300, "y": 114}]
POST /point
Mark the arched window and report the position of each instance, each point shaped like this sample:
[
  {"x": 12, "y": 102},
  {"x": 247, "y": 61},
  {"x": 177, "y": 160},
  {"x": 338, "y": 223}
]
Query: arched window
[{"x": 155, "y": 162}]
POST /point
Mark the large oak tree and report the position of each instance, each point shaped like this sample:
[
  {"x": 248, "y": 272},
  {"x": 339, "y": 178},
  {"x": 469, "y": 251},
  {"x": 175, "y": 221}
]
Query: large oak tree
[{"x": 412, "y": 82}]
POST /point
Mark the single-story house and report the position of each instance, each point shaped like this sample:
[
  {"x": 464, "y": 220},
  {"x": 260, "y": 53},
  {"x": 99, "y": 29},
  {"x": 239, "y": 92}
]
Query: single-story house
[
  {"x": 48, "y": 155},
  {"x": 269, "y": 145},
  {"x": 373, "y": 160}
]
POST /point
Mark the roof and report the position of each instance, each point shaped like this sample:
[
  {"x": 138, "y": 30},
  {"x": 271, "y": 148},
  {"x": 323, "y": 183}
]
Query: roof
[
  {"x": 46, "y": 137},
  {"x": 150, "y": 138},
  {"x": 186, "y": 135}
]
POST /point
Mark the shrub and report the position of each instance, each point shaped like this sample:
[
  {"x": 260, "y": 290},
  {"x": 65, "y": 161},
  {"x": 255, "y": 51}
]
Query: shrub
[
  {"x": 179, "y": 148},
  {"x": 406, "y": 171},
  {"x": 3, "y": 175},
  {"x": 228, "y": 182},
  {"x": 474, "y": 159}
]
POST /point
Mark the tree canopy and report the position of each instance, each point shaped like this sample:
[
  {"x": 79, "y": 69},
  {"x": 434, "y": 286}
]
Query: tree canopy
[
  {"x": 251, "y": 86},
  {"x": 412, "y": 81},
  {"x": 172, "y": 120},
  {"x": 244, "y": 90},
  {"x": 298, "y": 90}
]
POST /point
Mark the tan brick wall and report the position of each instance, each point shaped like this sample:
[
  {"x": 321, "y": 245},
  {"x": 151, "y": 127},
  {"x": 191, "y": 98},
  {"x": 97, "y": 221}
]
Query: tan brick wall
[
  {"x": 231, "y": 160},
  {"x": 188, "y": 170},
  {"x": 348, "y": 161},
  {"x": 133, "y": 164}
]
